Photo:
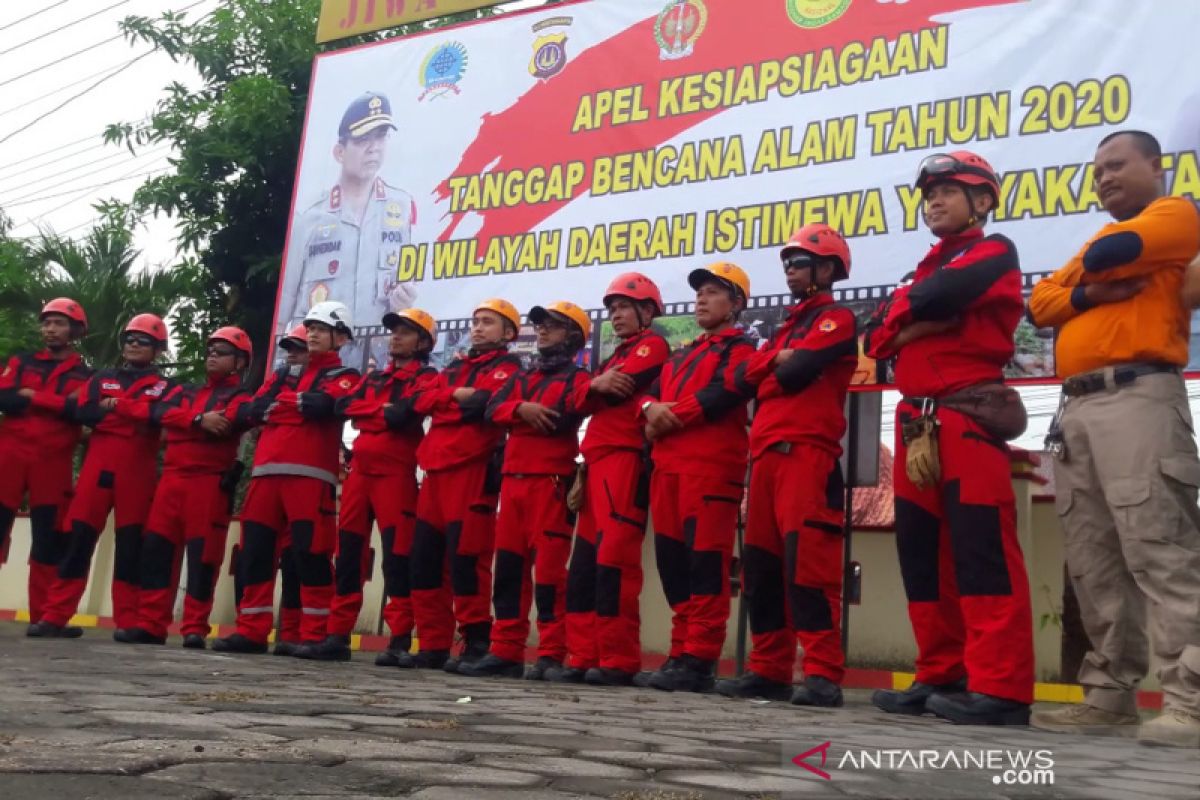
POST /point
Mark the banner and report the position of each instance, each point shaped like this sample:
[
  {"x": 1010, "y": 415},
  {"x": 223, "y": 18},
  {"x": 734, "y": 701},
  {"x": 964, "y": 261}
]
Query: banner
[
  {"x": 342, "y": 18},
  {"x": 537, "y": 155}
]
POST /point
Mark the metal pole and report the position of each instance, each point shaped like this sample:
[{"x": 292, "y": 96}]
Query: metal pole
[{"x": 848, "y": 521}]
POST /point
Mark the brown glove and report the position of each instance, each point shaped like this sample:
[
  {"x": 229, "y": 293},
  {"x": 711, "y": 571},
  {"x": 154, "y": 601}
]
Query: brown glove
[
  {"x": 922, "y": 464},
  {"x": 575, "y": 493}
]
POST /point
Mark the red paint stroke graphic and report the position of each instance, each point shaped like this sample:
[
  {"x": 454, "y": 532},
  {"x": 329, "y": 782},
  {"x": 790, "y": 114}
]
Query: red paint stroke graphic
[{"x": 536, "y": 129}]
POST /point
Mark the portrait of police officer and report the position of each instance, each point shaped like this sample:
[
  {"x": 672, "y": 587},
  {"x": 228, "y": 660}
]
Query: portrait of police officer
[{"x": 345, "y": 247}]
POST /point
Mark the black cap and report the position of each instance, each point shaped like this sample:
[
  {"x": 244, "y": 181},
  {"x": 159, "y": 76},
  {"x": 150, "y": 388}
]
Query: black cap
[
  {"x": 289, "y": 344},
  {"x": 368, "y": 112}
]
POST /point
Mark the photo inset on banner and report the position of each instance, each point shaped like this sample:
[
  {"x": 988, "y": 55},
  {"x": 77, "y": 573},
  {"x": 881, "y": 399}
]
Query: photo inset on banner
[{"x": 345, "y": 246}]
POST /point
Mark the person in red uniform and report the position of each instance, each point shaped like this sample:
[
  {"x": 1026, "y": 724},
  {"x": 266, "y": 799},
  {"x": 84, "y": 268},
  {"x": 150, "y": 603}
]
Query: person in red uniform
[
  {"x": 293, "y": 485},
  {"x": 543, "y": 410},
  {"x": 287, "y": 629},
  {"x": 193, "y": 501},
  {"x": 118, "y": 475},
  {"x": 381, "y": 486},
  {"x": 695, "y": 415},
  {"x": 38, "y": 440},
  {"x": 792, "y": 555},
  {"x": 952, "y": 329},
  {"x": 604, "y": 578},
  {"x": 454, "y": 538}
]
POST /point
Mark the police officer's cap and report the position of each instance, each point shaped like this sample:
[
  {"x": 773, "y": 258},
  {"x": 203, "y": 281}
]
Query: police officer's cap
[{"x": 367, "y": 113}]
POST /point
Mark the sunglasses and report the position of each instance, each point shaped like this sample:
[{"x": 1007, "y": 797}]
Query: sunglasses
[
  {"x": 940, "y": 164},
  {"x": 221, "y": 352},
  {"x": 138, "y": 339}
]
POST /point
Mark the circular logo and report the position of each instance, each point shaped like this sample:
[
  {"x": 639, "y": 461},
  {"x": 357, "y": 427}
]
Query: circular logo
[
  {"x": 677, "y": 28},
  {"x": 333, "y": 266},
  {"x": 815, "y": 13}
]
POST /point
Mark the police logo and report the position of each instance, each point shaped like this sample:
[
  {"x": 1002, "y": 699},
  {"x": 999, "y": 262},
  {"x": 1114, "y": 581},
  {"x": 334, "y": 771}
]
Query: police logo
[
  {"x": 375, "y": 105},
  {"x": 642, "y": 351},
  {"x": 549, "y": 49},
  {"x": 393, "y": 215},
  {"x": 345, "y": 383},
  {"x": 333, "y": 266},
  {"x": 827, "y": 326},
  {"x": 442, "y": 70},
  {"x": 677, "y": 28},
  {"x": 815, "y": 13},
  {"x": 499, "y": 375}
]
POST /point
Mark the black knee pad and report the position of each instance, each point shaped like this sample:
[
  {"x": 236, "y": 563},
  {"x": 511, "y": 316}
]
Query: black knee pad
[
  {"x": 427, "y": 556},
  {"x": 544, "y": 595},
  {"x": 810, "y": 609},
  {"x": 201, "y": 577},
  {"x": 978, "y": 546},
  {"x": 127, "y": 553},
  {"x": 314, "y": 570},
  {"x": 581, "y": 578},
  {"x": 256, "y": 561},
  {"x": 349, "y": 564},
  {"x": 158, "y": 561},
  {"x": 763, "y": 587},
  {"x": 706, "y": 574},
  {"x": 671, "y": 555},
  {"x": 396, "y": 575},
  {"x": 608, "y": 591},
  {"x": 917, "y": 547},
  {"x": 46, "y": 544},
  {"x": 506, "y": 594}
]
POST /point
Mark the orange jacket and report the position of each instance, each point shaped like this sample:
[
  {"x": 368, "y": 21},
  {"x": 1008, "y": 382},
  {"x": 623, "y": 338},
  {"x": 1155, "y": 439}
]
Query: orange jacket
[{"x": 1153, "y": 325}]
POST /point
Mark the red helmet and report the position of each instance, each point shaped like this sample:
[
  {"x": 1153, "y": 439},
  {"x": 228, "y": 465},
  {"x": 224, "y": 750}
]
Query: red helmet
[
  {"x": 821, "y": 240},
  {"x": 635, "y": 286},
  {"x": 296, "y": 337},
  {"x": 234, "y": 336},
  {"x": 960, "y": 166},
  {"x": 149, "y": 324},
  {"x": 68, "y": 308}
]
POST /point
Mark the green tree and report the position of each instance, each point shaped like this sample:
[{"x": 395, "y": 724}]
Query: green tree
[
  {"x": 236, "y": 139},
  {"x": 98, "y": 270},
  {"x": 18, "y": 325}
]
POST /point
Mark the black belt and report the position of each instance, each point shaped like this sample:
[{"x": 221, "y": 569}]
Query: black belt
[
  {"x": 780, "y": 447},
  {"x": 1092, "y": 382}
]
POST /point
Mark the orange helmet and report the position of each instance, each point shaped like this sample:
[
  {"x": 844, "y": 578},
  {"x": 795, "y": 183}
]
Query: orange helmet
[
  {"x": 503, "y": 308},
  {"x": 727, "y": 273},
  {"x": 149, "y": 324},
  {"x": 234, "y": 336},
  {"x": 296, "y": 337},
  {"x": 563, "y": 308},
  {"x": 68, "y": 308},
  {"x": 423, "y": 321},
  {"x": 960, "y": 166},
  {"x": 820, "y": 240},
  {"x": 635, "y": 286}
]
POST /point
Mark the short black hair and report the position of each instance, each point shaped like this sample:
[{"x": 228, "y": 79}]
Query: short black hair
[{"x": 1146, "y": 144}]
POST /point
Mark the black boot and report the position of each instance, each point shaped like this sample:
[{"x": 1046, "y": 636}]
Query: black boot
[
  {"x": 642, "y": 679},
  {"x": 236, "y": 643},
  {"x": 540, "y": 667},
  {"x": 563, "y": 674},
  {"x": 913, "y": 699},
  {"x": 193, "y": 641},
  {"x": 48, "y": 630},
  {"x": 282, "y": 648},
  {"x": 429, "y": 659},
  {"x": 137, "y": 636},
  {"x": 477, "y": 641},
  {"x": 397, "y": 649},
  {"x": 818, "y": 691},
  {"x": 752, "y": 685},
  {"x": 603, "y": 676},
  {"x": 332, "y": 648},
  {"x": 976, "y": 708},
  {"x": 492, "y": 665},
  {"x": 690, "y": 674}
]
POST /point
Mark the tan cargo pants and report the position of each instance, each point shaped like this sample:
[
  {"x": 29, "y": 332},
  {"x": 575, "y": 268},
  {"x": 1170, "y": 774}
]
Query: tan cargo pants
[{"x": 1127, "y": 497}]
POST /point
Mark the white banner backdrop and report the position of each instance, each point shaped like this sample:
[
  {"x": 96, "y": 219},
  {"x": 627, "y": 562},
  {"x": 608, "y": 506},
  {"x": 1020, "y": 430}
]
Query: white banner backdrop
[{"x": 537, "y": 155}]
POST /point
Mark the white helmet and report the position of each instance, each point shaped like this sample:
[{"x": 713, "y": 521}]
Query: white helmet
[{"x": 333, "y": 314}]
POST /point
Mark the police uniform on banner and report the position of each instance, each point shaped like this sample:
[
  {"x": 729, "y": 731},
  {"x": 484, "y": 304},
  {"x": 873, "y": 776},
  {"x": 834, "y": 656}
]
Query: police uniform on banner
[{"x": 339, "y": 257}]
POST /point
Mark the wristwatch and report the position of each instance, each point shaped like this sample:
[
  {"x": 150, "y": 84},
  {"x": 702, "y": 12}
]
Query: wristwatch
[{"x": 645, "y": 406}]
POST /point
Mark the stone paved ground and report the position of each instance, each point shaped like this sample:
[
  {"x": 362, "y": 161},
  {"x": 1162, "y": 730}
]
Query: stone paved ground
[{"x": 92, "y": 718}]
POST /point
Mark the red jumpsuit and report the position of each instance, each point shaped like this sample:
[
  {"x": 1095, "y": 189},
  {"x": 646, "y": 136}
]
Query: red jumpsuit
[
  {"x": 118, "y": 475},
  {"x": 37, "y": 449},
  {"x": 964, "y": 575},
  {"x": 191, "y": 508},
  {"x": 604, "y": 579},
  {"x": 454, "y": 538},
  {"x": 792, "y": 555},
  {"x": 535, "y": 527},
  {"x": 697, "y": 484},
  {"x": 292, "y": 496},
  {"x": 381, "y": 486}
]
